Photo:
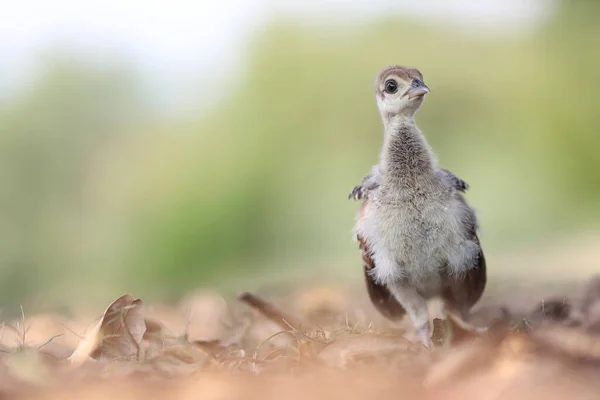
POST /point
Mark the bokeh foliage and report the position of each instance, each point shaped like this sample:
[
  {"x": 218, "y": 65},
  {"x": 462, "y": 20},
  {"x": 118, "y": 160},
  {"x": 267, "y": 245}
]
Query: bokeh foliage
[{"x": 100, "y": 191}]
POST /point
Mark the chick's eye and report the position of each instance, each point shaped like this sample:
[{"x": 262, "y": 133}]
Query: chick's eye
[{"x": 391, "y": 86}]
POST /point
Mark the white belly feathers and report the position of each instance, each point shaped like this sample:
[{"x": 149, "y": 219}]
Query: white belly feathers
[{"x": 414, "y": 244}]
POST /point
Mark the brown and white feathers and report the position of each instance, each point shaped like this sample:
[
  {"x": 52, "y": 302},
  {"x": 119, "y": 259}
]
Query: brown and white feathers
[{"x": 415, "y": 230}]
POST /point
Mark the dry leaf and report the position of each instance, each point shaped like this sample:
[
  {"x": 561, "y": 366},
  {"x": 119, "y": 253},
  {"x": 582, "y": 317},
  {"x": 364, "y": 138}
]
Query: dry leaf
[
  {"x": 118, "y": 334},
  {"x": 272, "y": 312}
]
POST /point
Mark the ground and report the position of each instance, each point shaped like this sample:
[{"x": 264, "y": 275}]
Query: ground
[{"x": 319, "y": 341}]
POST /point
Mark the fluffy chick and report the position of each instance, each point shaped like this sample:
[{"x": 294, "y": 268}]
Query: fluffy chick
[{"x": 416, "y": 231}]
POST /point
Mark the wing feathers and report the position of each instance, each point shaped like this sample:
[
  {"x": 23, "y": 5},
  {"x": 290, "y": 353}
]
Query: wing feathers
[
  {"x": 462, "y": 292},
  {"x": 383, "y": 300}
]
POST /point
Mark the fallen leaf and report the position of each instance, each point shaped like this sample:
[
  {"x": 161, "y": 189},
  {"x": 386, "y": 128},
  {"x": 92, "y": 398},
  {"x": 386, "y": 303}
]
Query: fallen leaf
[
  {"x": 118, "y": 334},
  {"x": 272, "y": 312}
]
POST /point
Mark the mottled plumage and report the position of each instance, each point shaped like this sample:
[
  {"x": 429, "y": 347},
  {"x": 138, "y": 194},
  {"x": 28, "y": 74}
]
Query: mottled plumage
[{"x": 415, "y": 230}]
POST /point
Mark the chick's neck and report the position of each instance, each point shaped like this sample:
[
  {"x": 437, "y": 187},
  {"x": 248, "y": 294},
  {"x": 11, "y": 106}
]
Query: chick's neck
[{"x": 406, "y": 158}]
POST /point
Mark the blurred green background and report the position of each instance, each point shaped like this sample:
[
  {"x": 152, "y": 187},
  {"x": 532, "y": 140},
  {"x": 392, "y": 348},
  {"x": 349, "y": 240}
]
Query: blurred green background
[{"x": 104, "y": 190}]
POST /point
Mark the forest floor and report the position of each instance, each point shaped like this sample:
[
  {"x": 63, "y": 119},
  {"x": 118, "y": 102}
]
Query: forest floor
[
  {"x": 319, "y": 342},
  {"x": 534, "y": 334}
]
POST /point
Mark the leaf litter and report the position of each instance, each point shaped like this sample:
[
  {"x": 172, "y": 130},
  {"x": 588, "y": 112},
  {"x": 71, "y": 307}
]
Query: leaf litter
[{"x": 254, "y": 348}]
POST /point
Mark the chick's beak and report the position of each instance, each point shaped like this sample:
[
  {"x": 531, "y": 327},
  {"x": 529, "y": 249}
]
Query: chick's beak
[{"x": 419, "y": 91}]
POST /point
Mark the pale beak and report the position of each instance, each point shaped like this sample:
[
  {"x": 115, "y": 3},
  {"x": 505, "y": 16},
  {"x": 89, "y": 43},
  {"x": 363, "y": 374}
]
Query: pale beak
[{"x": 419, "y": 91}]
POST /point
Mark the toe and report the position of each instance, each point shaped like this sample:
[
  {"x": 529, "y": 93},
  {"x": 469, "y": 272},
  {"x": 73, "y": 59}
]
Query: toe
[{"x": 356, "y": 193}]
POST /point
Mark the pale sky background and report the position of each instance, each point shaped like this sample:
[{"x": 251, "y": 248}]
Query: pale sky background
[{"x": 175, "y": 43}]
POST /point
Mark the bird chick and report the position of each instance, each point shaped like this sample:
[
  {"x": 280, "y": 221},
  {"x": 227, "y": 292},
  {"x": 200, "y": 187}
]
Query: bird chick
[{"x": 416, "y": 232}]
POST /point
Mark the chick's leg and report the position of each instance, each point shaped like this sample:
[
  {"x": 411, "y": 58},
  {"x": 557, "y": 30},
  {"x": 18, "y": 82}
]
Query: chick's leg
[{"x": 416, "y": 308}]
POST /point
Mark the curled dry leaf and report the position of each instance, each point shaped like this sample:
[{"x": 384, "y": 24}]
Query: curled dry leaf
[
  {"x": 118, "y": 334},
  {"x": 154, "y": 330}
]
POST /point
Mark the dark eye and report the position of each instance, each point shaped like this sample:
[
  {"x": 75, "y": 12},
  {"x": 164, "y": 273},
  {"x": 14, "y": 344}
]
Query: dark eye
[
  {"x": 416, "y": 83},
  {"x": 391, "y": 86}
]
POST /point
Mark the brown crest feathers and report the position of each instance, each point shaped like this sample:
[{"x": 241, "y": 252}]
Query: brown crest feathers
[{"x": 402, "y": 72}]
